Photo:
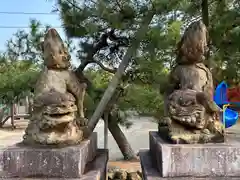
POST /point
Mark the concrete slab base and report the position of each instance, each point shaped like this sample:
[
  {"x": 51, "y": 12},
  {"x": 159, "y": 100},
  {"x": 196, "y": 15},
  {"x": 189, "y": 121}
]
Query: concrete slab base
[
  {"x": 150, "y": 172},
  {"x": 195, "y": 160},
  {"x": 65, "y": 162}
]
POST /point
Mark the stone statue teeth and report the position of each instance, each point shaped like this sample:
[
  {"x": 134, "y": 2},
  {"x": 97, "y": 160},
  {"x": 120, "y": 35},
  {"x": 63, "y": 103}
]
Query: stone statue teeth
[
  {"x": 188, "y": 119},
  {"x": 193, "y": 119}
]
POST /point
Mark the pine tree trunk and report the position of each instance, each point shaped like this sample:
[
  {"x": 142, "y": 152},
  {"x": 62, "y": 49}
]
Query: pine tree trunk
[
  {"x": 205, "y": 17},
  {"x": 120, "y": 139},
  {"x": 12, "y": 113},
  {"x": 205, "y": 14},
  {"x": 118, "y": 135},
  {"x": 113, "y": 127},
  {"x": 1, "y": 114}
]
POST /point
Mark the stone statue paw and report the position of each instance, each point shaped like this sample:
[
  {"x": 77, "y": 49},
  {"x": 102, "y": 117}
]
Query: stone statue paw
[
  {"x": 205, "y": 138},
  {"x": 176, "y": 139},
  {"x": 186, "y": 138},
  {"x": 82, "y": 121},
  {"x": 165, "y": 121},
  {"x": 86, "y": 131},
  {"x": 216, "y": 127},
  {"x": 206, "y": 131},
  {"x": 181, "y": 139}
]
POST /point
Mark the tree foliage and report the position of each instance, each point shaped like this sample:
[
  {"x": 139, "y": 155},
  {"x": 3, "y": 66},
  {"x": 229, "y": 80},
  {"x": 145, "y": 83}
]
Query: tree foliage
[
  {"x": 88, "y": 20},
  {"x": 21, "y": 62},
  {"x": 17, "y": 79},
  {"x": 104, "y": 30}
]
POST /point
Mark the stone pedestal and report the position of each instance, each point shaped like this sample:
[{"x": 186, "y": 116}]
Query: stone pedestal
[
  {"x": 198, "y": 161},
  {"x": 48, "y": 162}
]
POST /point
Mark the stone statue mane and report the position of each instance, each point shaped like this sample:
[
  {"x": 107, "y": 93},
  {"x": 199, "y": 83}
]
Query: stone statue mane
[
  {"x": 55, "y": 54},
  {"x": 193, "y": 44}
]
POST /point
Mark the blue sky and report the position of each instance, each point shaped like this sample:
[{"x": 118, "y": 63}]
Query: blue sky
[
  {"x": 23, "y": 19},
  {"x": 30, "y": 6}
]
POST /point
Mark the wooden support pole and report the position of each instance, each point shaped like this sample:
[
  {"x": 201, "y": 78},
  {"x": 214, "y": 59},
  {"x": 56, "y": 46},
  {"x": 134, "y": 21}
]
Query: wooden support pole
[{"x": 106, "y": 130}]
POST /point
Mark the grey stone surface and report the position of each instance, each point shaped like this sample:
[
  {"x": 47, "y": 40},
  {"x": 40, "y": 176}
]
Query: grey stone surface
[
  {"x": 150, "y": 172},
  {"x": 98, "y": 168},
  {"x": 66, "y": 162},
  {"x": 95, "y": 170},
  {"x": 197, "y": 160}
]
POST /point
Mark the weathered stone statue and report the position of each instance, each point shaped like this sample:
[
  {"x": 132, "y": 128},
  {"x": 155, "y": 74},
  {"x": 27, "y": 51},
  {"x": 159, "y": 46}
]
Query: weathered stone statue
[
  {"x": 191, "y": 114},
  {"x": 57, "y": 115},
  {"x": 55, "y": 143}
]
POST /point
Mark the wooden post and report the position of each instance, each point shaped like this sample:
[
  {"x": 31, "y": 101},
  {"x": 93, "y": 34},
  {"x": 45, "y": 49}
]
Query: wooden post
[
  {"x": 26, "y": 105},
  {"x": 12, "y": 112},
  {"x": 30, "y": 105},
  {"x": 2, "y": 109},
  {"x": 106, "y": 130}
]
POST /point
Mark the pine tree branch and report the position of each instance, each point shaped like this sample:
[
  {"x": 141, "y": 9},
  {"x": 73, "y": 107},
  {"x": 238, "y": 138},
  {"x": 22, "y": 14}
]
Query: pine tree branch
[
  {"x": 102, "y": 43},
  {"x": 72, "y": 4},
  {"x": 104, "y": 67}
]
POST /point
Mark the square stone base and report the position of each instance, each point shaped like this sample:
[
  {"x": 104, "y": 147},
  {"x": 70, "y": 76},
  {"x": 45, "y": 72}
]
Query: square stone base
[
  {"x": 66, "y": 162},
  {"x": 150, "y": 172},
  {"x": 95, "y": 170},
  {"x": 195, "y": 160}
]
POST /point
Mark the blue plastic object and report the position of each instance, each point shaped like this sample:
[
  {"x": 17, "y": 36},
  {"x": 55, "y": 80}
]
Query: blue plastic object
[
  {"x": 220, "y": 98},
  {"x": 231, "y": 117}
]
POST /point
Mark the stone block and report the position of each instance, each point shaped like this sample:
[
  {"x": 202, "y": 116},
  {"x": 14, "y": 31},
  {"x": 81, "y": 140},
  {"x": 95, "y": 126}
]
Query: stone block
[
  {"x": 197, "y": 160},
  {"x": 65, "y": 162},
  {"x": 150, "y": 172},
  {"x": 95, "y": 170}
]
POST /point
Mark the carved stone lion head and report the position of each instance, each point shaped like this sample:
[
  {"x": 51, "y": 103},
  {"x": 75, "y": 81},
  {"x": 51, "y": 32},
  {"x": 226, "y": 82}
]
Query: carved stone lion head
[
  {"x": 55, "y": 54},
  {"x": 183, "y": 108},
  {"x": 193, "y": 44}
]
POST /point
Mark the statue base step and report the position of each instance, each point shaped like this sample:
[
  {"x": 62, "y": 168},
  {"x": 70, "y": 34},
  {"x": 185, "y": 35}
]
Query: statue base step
[
  {"x": 150, "y": 172},
  {"x": 65, "y": 162},
  {"x": 195, "y": 160}
]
